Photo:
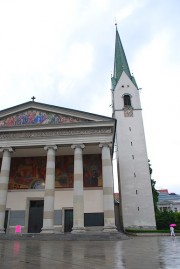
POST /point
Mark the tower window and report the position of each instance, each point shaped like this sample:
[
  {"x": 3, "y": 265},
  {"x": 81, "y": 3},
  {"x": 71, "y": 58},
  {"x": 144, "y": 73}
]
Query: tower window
[
  {"x": 127, "y": 100},
  {"x": 128, "y": 109}
]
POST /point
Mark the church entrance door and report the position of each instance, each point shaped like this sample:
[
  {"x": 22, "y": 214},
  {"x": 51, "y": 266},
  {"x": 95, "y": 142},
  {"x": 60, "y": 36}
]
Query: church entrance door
[
  {"x": 6, "y": 220},
  {"x": 36, "y": 208},
  {"x": 68, "y": 220}
]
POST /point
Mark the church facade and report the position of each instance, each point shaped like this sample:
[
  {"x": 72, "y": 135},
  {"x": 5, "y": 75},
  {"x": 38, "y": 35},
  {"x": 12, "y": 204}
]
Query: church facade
[
  {"x": 56, "y": 164},
  {"x": 56, "y": 170}
]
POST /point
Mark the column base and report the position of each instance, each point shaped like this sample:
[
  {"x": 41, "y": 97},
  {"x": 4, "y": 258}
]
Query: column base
[
  {"x": 47, "y": 231},
  {"x": 78, "y": 230},
  {"x": 110, "y": 229},
  {"x": 2, "y": 231}
]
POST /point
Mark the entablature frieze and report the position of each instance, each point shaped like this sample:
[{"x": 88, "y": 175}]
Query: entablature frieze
[{"x": 55, "y": 133}]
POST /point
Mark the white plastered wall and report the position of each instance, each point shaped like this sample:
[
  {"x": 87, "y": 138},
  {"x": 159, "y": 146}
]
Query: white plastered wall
[
  {"x": 93, "y": 199},
  {"x": 136, "y": 194}
]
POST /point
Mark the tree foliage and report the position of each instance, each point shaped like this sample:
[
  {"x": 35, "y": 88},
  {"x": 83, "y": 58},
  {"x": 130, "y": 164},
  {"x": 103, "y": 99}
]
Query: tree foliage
[
  {"x": 164, "y": 219},
  {"x": 154, "y": 191}
]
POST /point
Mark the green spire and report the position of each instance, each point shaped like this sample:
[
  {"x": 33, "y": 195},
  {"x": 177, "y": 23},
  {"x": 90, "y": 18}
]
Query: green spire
[
  {"x": 120, "y": 62},
  {"x": 134, "y": 81}
]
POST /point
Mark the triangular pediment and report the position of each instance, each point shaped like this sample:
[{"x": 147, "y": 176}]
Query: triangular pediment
[{"x": 33, "y": 113}]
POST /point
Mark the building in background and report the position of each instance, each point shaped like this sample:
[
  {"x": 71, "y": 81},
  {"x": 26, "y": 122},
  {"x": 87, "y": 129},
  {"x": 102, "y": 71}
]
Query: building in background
[{"x": 168, "y": 201}]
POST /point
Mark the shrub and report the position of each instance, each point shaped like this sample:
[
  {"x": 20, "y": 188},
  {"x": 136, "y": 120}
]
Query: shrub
[{"x": 164, "y": 219}]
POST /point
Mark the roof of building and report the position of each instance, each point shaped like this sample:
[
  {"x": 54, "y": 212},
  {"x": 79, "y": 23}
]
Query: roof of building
[
  {"x": 163, "y": 191},
  {"x": 165, "y": 196}
]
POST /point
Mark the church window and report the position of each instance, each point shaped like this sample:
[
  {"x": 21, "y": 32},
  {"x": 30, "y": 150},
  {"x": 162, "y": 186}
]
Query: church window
[
  {"x": 134, "y": 174},
  {"x": 131, "y": 143},
  {"x": 136, "y": 191},
  {"x": 130, "y": 129},
  {"x": 133, "y": 157},
  {"x": 122, "y": 86},
  {"x": 138, "y": 208},
  {"x": 127, "y": 100}
]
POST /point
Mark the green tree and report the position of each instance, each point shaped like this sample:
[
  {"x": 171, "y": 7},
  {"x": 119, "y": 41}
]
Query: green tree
[
  {"x": 154, "y": 191},
  {"x": 177, "y": 220},
  {"x": 164, "y": 219}
]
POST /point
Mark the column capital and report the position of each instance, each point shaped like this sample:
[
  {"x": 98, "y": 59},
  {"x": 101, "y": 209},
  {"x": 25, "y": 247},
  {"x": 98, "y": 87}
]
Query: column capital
[
  {"x": 7, "y": 149},
  {"x": 81, "y": 146},
  {"x": 108, "y": 145},
  {"x": 50, "y": 147}
]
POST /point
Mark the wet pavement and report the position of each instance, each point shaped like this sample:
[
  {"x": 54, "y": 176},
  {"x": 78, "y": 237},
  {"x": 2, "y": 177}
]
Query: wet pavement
[{"x": 133, "y": 253}]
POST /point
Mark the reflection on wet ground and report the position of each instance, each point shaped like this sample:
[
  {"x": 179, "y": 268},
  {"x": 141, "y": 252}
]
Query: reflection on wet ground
[{"x": 133, "y": 253}]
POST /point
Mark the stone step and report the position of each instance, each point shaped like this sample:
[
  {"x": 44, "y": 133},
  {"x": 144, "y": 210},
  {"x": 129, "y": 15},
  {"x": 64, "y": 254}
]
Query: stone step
[{"x": 87, "y": 236}]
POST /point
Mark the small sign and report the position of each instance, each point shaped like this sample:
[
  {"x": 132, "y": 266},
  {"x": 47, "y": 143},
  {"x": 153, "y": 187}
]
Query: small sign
[{"x": 18, "y": 229}]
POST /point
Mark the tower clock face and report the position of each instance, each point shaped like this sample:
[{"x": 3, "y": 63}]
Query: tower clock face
[{"x": 128, "y": 112}]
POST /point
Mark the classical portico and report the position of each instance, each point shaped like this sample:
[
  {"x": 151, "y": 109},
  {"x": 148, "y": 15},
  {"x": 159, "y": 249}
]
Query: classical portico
[{"x": 61, "y": 164}]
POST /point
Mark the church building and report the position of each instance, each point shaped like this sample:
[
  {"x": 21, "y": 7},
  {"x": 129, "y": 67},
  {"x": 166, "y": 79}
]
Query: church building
[{"x": 56, "y": 164}]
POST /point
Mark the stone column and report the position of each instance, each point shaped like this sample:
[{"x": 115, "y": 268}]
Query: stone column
[
  {"x": 4, "y": 180},
  {"x": 108, "y": 183},
  {"x": 78, "y": 198},
  {"x": 48, "y": 217}
]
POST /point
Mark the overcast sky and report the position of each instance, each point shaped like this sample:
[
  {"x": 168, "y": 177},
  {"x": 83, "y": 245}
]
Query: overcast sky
[{"x": 62, "y": 52}]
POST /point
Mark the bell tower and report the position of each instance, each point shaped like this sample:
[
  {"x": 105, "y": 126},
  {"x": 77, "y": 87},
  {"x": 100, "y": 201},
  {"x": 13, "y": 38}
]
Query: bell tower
[{"x": 136, "y": 202}]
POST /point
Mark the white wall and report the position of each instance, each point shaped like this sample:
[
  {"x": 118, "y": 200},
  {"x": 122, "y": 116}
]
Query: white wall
[
  {"x": 135, "y": 184},
  {"x": 93, "y": 199},
  {"x": 16, "y": 200}
]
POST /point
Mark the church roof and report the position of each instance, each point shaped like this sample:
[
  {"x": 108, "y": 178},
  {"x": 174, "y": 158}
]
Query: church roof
[
  {"x": 34, "y": 113},
  {"x": 120, "y": 62}
]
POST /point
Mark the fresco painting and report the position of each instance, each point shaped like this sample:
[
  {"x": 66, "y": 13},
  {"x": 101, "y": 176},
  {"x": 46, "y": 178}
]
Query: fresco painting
[
  {"x": 64, "y": 171},
  {"x": 27, "y": 173},
  {"x": 92, "y": 170},
  {"x": 36, "y": 117},
  {"x": 30, "y": 172}
]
